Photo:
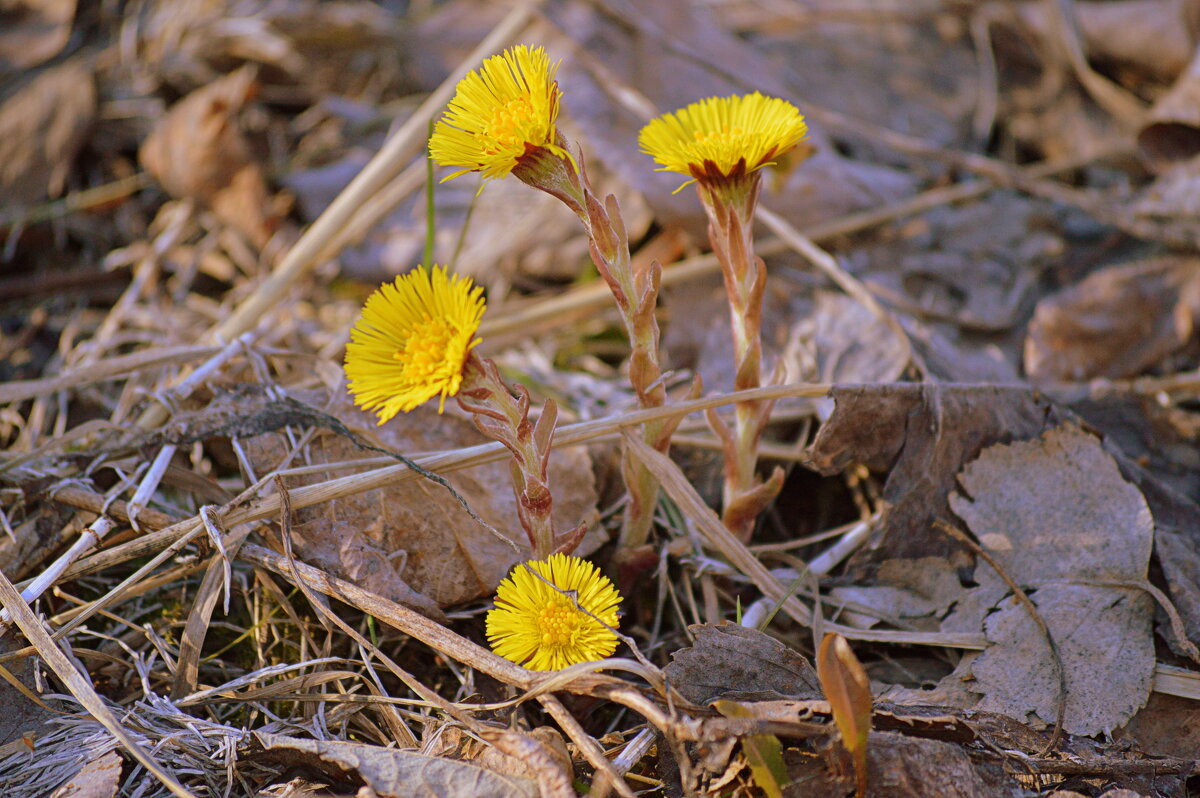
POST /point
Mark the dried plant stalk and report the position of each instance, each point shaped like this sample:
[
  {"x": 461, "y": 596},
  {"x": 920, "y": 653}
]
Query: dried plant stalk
[{"x": 79, "y": 686}]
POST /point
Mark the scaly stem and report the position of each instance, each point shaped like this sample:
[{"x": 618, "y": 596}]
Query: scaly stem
[
  {"x": 505, "y": 418},
  {"x": 730, "y": 209},
  {"x": 635, "y": 289}
]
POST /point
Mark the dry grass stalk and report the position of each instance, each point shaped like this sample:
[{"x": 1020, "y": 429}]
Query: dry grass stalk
[
  {"x": 79, "y": 686},
  {"x": 113, "y": 368},
  {"x": 268, "y": 506}
]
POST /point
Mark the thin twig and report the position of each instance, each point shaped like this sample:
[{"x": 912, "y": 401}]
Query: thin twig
[{"x": 587, "y": 746}]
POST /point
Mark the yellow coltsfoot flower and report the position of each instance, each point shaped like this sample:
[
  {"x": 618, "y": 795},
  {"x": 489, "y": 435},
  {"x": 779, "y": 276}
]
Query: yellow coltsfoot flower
[
  {"x": 541, "y": 628},
  {"x": 502, "y": 113},
  {"x": 723, "y": 138},
  {"x": 412, "y": 341}
]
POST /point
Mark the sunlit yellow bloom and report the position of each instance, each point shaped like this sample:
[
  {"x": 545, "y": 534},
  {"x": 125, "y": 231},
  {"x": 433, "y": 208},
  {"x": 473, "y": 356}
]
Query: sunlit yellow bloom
[
  {"x": 536, "y": 626},
  {"x": 723, "y": 137},
  {"x": 499, "y": 114},
  {"x": 412, "y": 340}
]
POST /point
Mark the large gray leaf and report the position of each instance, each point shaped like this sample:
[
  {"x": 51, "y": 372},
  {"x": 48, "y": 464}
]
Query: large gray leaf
[{"x": 1058, "y": 518}]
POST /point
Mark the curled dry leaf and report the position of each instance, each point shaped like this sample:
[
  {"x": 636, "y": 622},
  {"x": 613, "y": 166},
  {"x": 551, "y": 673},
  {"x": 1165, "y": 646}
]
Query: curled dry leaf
[
  {"x": 848, "y": 692},
  {"x": 1059, "y": 519},
  {"x": 549, "y": 738},
  {"x": 1171, "y": 134},
  {"x": 198, "y": 151},
  {"x": 1117, "y": 322},
  {"x": 42, "y": 127}
]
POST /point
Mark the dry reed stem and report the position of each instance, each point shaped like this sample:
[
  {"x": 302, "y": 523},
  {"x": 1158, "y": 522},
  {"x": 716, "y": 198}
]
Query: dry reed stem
[
  {"x": 1168, "y": 679},
  {"x": 114, "y": 368},
  {"x": 587, "y": 746},
  {"x": 432, "y": 633},
  {"x": 195, "y": 629},
  {"x": 443, "y": 462}
]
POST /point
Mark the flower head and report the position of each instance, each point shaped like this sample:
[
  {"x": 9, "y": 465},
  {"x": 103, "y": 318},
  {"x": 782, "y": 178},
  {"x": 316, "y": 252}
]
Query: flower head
[
  {"x": 412, "y": 341},
  {"x": 541, "y": 628},
  {"x": 723, "y": 138},
  {"x": 500, "y": 114}
]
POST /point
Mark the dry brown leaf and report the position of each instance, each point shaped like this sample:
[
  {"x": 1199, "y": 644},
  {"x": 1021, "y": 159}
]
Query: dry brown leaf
[
  {"x": 1057, "y": 516},
  {"x": 848, "y": 343},
  {"x": 1117, "y": 322},
  {"x": 392, "y": 773},
  {"x": 198, "y": 151},
  {"x": 975, "y": 266},
  {"x": 495, "y": 760},
  {"x": 34, "y": 539},
  {"x": 1103, "y": 638},
  {"x": 922, "y": 434},
  {"x": 1159, "y": 437},
  {"x": 1176, "y": 551},
  {"x": 848, "y": 692},
  {"x": 1149, "y": 35},
  {"x": 1167, "y": 726},
  {"x": 415, "y": 536},
  {"x": 822, "y": 336},
  {"x": 1172, "y": 200},
  {"x": 33, "y": 31},
  {"x": 22, "y": 720},
  {"x": 42, "y": 127},
  {"x": 900, "y": 72},
  {"x": 740, "y": 664}
]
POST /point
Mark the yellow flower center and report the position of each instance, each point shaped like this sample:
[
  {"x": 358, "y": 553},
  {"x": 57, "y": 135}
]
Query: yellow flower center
[
  {"x": 559, "y": 622},
  {"x": 424, "y": 352},
  {"x": 512, "y": 124}
]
